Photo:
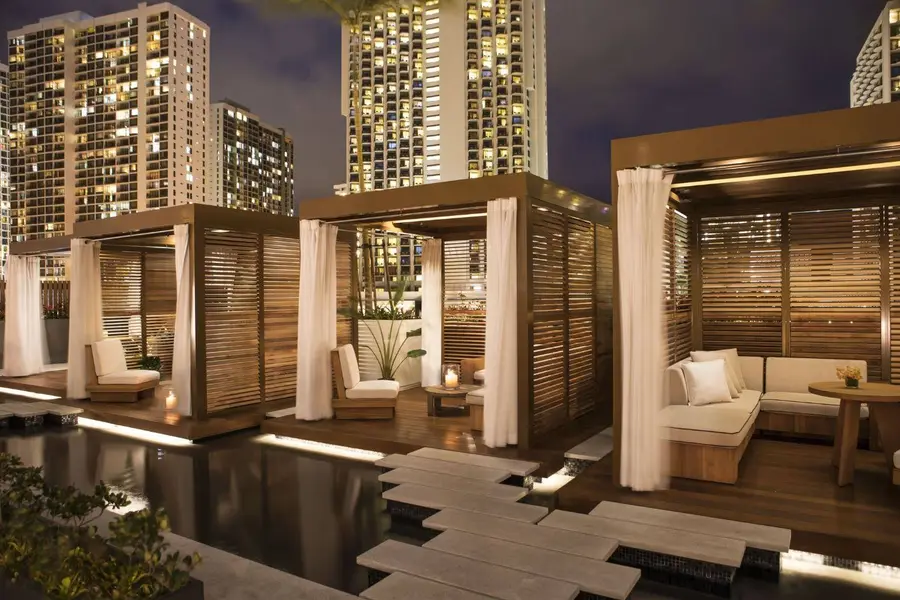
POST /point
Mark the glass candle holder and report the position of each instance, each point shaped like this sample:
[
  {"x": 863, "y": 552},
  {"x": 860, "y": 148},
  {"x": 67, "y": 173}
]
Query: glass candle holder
[
  {"x": 171, "y": 401},
  {"x": 450, "y": 375}
]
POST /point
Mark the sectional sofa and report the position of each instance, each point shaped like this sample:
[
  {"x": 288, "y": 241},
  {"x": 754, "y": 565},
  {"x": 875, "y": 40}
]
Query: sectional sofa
[{"x": 708, "y": 442}]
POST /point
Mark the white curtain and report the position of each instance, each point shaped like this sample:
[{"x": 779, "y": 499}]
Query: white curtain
[
  {"x": 501, "y": 347},
  {"x": 184, "y": 320},
  {"x": 317, "y": 319},
  {"x": 640, "y": 219},
  {"x": 432, "y": 311},
  {"x": 85, "y": 312},
  {"x": 25, "y": 341}
]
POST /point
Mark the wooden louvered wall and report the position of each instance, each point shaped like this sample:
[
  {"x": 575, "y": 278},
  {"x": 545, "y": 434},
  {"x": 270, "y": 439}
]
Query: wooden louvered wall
[
  {"x": 465, "y": 270},
  {"x": 603, "y": 281},
  {"x": 232, "y": 305},
  {"x": 159, "y": 306},
  {"x": 677, "y": 310},
  {"x": 344, "y": 260},
  {"x": 281, "y": 283},
  {"x": 120, "y": 277},
  {"x": 893, "y": 266}
]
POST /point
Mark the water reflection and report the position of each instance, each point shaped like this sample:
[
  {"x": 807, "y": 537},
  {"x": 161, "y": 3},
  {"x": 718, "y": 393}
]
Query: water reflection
[{"x": 305, "y": 514}]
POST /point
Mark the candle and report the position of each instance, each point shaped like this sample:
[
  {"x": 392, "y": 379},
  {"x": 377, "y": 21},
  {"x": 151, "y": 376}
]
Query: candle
[
  {"x": 171, "y": 401},
  {"x": 451, "y": 380}
]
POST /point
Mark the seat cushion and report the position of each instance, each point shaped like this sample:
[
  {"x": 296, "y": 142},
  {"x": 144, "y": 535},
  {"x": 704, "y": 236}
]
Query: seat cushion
[
  {"x": 374, "y": 390},
  {"x": 795, "y": 374},
  {"x": 712, "y": 425},
  {"x": 109, "y": 356},
  {"x": 707, "y": 382},
  {"x": 479, "y": 376},
  {"x": 133, "y": 377},
  {"x": 897, "y": 459},
  {"x": 747, "y": 401},
  {"x": 475, "y": 397},
  {"x": 804, "y": 404},
  {"x": 349, "y": 366}
]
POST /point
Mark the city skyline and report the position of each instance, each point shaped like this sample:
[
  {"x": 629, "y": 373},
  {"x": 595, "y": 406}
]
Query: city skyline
[{"x": 876, "y": 79}]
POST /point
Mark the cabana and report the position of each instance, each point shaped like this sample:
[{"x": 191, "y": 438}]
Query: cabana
[{"x": 550, "y": 358}]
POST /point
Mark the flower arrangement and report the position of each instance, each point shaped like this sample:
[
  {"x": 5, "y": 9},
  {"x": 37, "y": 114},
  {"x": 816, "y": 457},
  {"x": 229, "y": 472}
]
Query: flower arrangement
[
  {"x": 850, "y": 375},
  {"x": 56, "y": 312}
]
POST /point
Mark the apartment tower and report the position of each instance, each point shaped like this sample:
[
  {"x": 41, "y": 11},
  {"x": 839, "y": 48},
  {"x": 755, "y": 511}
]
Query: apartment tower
[
  {"x": 252, "y": 164},
  {"x": 446, "y": 92},
  {"x": 876, "y": 79},
  {"x": 4, "y": 168},
  {"x": 107, "y": 115}
]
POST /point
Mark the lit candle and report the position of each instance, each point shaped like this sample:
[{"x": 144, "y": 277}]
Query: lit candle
[
  {"x": 451, "y": 379},
  {"x": 171, "y": 401}
]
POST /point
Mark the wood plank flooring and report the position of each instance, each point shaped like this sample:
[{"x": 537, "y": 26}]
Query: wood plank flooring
[{"x": 781, "y": 484}]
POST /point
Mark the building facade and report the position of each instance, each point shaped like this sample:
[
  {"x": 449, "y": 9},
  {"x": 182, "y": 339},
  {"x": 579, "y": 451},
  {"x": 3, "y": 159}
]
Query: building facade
[
  {"x": 253, "y": 162},
  {"x": 446, "y": 93},
  {"x": 4, "y": 168},
  {"x": 876, "y": 79},
  {"x": 107, "y": 116}
]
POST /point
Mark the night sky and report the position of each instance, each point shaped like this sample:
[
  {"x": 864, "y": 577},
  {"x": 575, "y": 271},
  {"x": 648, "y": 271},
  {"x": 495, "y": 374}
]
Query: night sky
[{"x": 616, "y": 68}]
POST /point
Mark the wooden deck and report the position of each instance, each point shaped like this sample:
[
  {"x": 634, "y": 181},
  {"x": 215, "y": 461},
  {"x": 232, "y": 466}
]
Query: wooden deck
[
  {"x": 782, "y": 484},
  {"x": 412, "y": 429},
  {"x": 148, "y": 414}
]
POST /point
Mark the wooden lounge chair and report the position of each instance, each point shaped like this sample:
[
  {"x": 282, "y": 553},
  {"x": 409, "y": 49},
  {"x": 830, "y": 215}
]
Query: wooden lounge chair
[
  {"x": 360, "y": 399},
  {"x": 110, "y": 379},
  {"x": 475, "y": 402}
]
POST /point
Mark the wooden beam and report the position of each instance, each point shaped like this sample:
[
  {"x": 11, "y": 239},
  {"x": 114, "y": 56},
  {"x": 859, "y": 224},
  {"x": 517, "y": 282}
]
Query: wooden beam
[
  {"x": 525, "y": 318},
  {"x": 60, "y": 244},
  {"x": 198, "y": 354},
  {"x": 149, "y": 220},
  {"x": 885, "y": 248}
]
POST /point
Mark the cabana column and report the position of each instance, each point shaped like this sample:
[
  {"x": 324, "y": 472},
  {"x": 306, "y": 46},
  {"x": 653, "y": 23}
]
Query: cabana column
[
  {"x": 432, "y": 310},
  {"x": 184, "y": 320},
  {"x": 25, "y": 343},
  {"x": 85, "y": 312}
]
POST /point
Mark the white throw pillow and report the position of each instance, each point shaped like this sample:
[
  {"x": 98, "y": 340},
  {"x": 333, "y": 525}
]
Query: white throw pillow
[
  {"x": 707, "y": 382},
  {"x": 732, "y": 367}
]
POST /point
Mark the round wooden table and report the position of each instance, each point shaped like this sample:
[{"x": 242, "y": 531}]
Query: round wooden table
[
  {"x": 884, "y": 407},
  {"x": 437, "y": 393}
]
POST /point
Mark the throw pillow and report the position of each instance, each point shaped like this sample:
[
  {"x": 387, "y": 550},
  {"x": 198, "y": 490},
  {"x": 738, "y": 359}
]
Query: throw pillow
[
  {"x": 707, "y": 382},
  {"x": 734, "y": 380},
  {"x": 731, "y": 357}
]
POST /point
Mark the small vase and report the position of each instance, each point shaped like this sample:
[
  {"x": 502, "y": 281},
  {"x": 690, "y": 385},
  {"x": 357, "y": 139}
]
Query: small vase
[{"x": 851, "y": 383}]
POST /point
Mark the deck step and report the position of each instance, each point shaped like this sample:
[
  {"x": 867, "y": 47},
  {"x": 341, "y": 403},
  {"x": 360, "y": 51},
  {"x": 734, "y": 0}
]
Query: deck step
[
  {"x": 59, "y": 410},
  {"x": 470, "y": 486},
  {"x": 439, "y": 499},
  {"x": 591, "y": 576},
  {"x": 594, "y": 448},
  {"x": 660, "y": 540},
  {"x": 397, "y": 461},
  {"x": 464, "y": 573},
  {"x": 762, "y": 537},
  {"x": 520, "y": 468},
  {"x": 560, "y": 540},
  {"x": 400, "y": 586},
  {"x": 281, "y": 412}
]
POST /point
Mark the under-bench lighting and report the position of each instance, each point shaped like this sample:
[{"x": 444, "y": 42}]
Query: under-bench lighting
[
  {"x": 321, "y": 448},
  {"x": 788, "y": 175},
  {"x": 138, "y": 434},
  {"x": 443, "y": 218},
  {"x": 27, "y": 394}
]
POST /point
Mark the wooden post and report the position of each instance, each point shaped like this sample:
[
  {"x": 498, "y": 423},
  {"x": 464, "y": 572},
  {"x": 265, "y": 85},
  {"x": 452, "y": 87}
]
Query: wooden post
[
  {"x": 885, "y": 243},
  {"x": 696, "y": 282},
  {"x": 198, "y": 354},
  {"x": 525, "y": 322},
  {"x": 617, "y": 342}
]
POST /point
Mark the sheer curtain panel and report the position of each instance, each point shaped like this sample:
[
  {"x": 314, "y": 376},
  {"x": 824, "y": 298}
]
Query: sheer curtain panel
[
  {"x": 184, "y": 320},
  {"x": 317, "y": 319},
  {"x": 640, "y": 217},
  {"x": 432, "y": 311},
  {"x": 25, "y": 341},
  {"x": 85, "y": 311},
  {"x": 501, "y": 351}
]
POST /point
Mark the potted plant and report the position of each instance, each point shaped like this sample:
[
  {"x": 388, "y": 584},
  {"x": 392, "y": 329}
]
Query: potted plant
[
  {"x": 850, "y": 375},
  {"x": 49, "y": 549},
  {"x": 56, "y": 323},
  {"x": 150, "y": 363}
]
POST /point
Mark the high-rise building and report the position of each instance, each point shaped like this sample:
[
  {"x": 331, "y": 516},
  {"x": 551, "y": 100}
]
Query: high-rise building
[
  {"x": 447, "y": 91},
  {"x": 107, "y": 115},
  {"x": 876, "y": 79},
  {"x": 4, "y": 168},
  {"x": 252, "y": 164}
]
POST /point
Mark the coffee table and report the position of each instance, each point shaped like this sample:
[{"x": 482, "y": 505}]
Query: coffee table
[
  {"x": 884, "y": 406},
  {"x": 437, "y": 393}
]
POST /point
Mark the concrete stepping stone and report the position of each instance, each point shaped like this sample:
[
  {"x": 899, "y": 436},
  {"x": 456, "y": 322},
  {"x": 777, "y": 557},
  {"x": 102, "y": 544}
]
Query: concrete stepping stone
[
  {"x": 26, "y": 415},
  {"x": 520, "y": 468},
  {"x": 400, "y": 586},
  {"x": 588, "y": 452},
  {"x": 464, "y": 573},
  {"x": 449, "y": 482},
  {"x": 408, "y": 500},
  {"x": 560, "y": 540},
  {"x": 397, "y": 461},
  {"x": 591, "y": 576},
  {"x": 282, "y": 412},
  {"x": 60, "y": 414}
]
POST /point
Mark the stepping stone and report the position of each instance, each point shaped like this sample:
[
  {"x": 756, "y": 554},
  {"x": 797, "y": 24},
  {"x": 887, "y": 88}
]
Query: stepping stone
[
  {"x": 283, "y": 412},
  {"x": 588, "y": 452},
  {"x": 400, "y": 586},
  {"x": 60, "y": 414},
  {"x": 560, "y": 540},
  {"x": 591, "y": 576},
  {"x": 409, "y": 500},
  {"x": 464, "y": 573},
  {"x": 519, "y": 468},
  {"x": 397, "y": 461},
  {"x": 26, "y": 415},
  {"x": 449, "y": 482},
  {"x": 5, "y": 417}
]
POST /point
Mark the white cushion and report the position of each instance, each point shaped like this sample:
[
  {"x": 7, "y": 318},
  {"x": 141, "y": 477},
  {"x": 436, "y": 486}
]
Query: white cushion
[
  {"x": 732, "y": 378},
  {"x": 349, "y": 366},
  {"x": 674, "y": 386},
  {"x": 109, "y": 356},
  {"x": 479, "y": 376},
  {"x": 747, "y": 401},
  {"x": 804, "y": 404},
  {"x": 714, "y": 425},
  {"x": 133, "y": 377},
  {"x": 374, "y": 390},
  {"x": 752, "y": 368},
  {"x": 707, "y": 382},
  {"x": 475, "y": 397},
  {"x": 897, "y": 459},
  {"x": 795, "y": 374}
]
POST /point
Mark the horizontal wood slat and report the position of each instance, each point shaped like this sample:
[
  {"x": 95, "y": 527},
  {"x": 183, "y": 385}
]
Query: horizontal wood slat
[
  {"x": 281, "y": 268},
  {"x": 893, "y": 218},
  {"x": 677, "y": 314},
  {"x": 582, "y": 382},
  {"x": 159, "y": 304},
  {"x": 465, "y": 288},
  {"x": 604, "y": 310},
  {"x": 120, "y": 277},
  {"x": 344, "y": 262}
]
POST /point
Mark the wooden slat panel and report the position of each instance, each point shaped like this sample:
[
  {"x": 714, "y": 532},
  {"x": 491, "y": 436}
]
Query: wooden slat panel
[
  {"x": 835, "y": 276},
  {"x": 281, "y": 266},
  {"x": 604, "y": 309},
  {"x": 894, "y": 266},
  {"x": 465, "y": 286},
  {"x": 582, "y": 384},
  {"x": 741, "y": 270},
  {"x": 120, "y": 277},
  {"x": 677, "y": 313},
  {"x": 232, "y": 319},
  {"x": 344, "y": 261},
  {"x": 549, "y": 376},
  {"x": 159, "y": 300}
]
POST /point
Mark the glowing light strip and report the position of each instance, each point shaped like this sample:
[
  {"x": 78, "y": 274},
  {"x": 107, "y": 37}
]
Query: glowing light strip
[
  {"x": 135, "y": 502},
  {"x": 26, "y": 394},
  {"x": 553, "y": 482},
  {"x": 139, "y": 434},
  {"x": 790, "y": 174},
  {"x": 868, "y": 574},
  {"x": 444, "y": 218},
  {"x": 321, "y": 448}
]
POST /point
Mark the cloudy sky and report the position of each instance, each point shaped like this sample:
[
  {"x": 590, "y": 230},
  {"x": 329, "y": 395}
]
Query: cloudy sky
[{"x": 616, "y": 68}]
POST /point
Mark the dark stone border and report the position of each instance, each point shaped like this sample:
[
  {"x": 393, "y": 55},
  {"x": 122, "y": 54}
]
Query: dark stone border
[
  {"x": 32, "y": 422},
  {"x": 575, "y": 466},
  {"x": 374, "y": 576},
  {"x": 4, "y": 422},
  {"x": 526, "y": 482},
  {"x": 409, "y": 512},
  {"x": 62, "y": 420},
  {"x": 385, "y": 486},
  {"x": 762, "y": 564},
  {"x": 688, "y": 573}
]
